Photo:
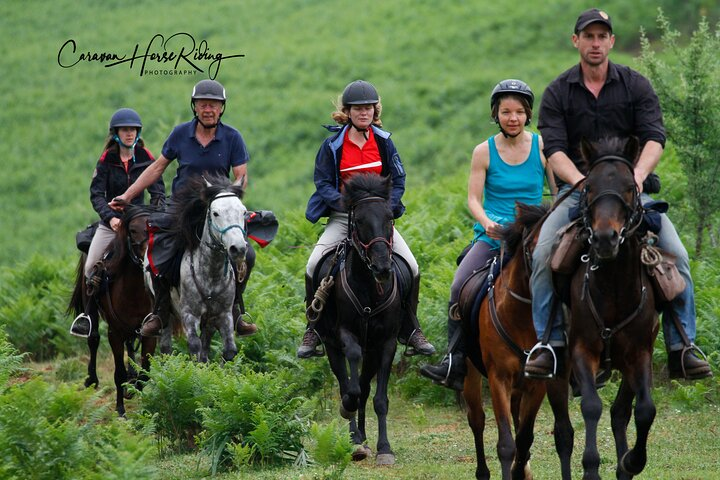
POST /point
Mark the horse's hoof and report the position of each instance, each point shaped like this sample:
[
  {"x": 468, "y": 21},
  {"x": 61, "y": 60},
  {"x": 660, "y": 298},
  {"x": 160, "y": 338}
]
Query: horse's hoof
[
  {"x": 92, "y": 383},
  {"x": 385, "y": 459},
  {"x": 361, "y": 452},
  {"x": 626, "y": 468},
  {"x": 347, "y": 414}
]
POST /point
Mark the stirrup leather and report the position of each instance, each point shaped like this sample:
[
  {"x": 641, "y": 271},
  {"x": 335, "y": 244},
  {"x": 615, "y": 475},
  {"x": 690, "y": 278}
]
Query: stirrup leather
[{"x": 542, "y": 346}]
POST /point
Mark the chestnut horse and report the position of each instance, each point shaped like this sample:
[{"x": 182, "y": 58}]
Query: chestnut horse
[
  {"x": 613, "y": 322},
  {"x": 505, "y": 333},
  {"x": 123, "y": 303}
]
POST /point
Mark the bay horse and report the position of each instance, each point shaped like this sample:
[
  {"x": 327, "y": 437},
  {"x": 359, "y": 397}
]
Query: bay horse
[
  {"x": 613, "y": 322},
  {"x": 498, "y": 348},
  {"x": 209, "y": 218},
  {"x": 367, "y": 307},
  {"x": 123, "y": 303}
]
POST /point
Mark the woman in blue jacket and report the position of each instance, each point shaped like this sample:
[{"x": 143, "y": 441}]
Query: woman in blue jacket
[{"x": 358, "y": 145}]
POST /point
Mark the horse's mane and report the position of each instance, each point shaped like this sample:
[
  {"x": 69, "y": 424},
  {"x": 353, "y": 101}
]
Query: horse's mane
[
  {"x": 191, "y": 203},
  {"x": 626, "y": 147},
  {"x": 361, "y": 186},
  {"x": 119, "y": 244},
  {"x": 527, "y": 216}
]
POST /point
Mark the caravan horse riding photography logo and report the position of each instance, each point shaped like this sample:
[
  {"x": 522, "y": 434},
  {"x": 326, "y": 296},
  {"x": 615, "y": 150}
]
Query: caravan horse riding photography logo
[{"x": 178, "y": 54}]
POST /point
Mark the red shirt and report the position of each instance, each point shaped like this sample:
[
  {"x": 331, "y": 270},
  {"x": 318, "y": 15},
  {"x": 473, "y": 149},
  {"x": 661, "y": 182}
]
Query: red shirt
[{"x": 360, "y": 160}]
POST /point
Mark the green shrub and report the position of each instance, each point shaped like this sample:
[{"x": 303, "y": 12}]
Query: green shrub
[
  {"x": 49, "y": 432},
  {"x": 34, "y": 295},
  {"x": 331, "y": 448}
]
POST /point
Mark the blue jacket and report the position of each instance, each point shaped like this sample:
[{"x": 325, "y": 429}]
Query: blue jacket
[{"x": 327, "y": 195}]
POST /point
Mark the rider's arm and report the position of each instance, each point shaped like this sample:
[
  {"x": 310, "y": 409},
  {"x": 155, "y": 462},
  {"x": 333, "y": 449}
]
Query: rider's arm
[
  {"x": 564, "y": 168},
  {"x": 241, "y": 175},
  {"x": 549, "y": 175},
  {"x": 147, "y": 178},
  {"x": 649, "y": 158},
  {"x": 476, "y": 186}
]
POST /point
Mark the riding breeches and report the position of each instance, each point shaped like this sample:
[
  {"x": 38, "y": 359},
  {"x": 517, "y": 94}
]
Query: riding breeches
[
  {"x": 336, "y": 231},
  {"x": 101, "y": 241}
]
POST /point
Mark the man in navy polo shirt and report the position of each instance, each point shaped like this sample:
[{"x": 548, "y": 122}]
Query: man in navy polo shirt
[{"x": 202, "y": 145}]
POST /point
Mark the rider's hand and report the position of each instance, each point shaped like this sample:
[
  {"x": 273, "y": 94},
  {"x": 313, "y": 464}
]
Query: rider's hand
[
  {"x": 118, "y": 203},
  {"x": 115, "y": 223}
]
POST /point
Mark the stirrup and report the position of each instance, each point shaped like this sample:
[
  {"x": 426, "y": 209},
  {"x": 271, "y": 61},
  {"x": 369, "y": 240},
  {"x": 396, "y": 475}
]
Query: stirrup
[
  {"x": 82, "y": 315},
  {"x": 541, "y": 346},
  {"x": 690, "y": 348},
  {"x": 142, "y": 324}
]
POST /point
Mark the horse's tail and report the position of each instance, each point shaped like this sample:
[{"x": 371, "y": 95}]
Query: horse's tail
[{"x": 76, "y": 304}]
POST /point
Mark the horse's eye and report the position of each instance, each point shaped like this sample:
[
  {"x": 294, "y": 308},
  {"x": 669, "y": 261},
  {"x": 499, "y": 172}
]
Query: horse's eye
[{"x": 216, "y": 214}]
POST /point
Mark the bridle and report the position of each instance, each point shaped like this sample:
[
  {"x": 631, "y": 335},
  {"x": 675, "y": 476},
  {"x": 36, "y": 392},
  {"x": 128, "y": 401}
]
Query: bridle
[
  {"x": 633, "y": 210},
  {"x": 364, "y": 248},
  {"x": 217, "y": 243}
]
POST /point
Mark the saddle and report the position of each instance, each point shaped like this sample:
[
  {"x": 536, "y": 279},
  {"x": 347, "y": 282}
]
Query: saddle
[
  {"x": 163, "y": 253},
  {"x": 83, "y": 238},
  {"x": 330, "y": 264}
]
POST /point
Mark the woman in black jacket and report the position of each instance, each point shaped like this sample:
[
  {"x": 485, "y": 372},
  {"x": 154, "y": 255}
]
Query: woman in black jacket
[{"x": 123, "y": 160}]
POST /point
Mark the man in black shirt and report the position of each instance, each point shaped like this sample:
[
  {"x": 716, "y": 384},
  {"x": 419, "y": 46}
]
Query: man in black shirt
[{"x": 594, "y": 99}]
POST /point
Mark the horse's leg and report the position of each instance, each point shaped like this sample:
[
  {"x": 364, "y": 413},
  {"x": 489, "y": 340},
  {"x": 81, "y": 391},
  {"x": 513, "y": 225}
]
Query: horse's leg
[
  {"x": 532, "y": 397},
  {"x": 557, "y": 393},
  {"x": 227, "y": 333},
  {"x": 500, "y": 388},
  {"x": 476, "y": 417},
  {"x": 339, "y": 369},
  {"x": 166, "y": 335},
  {"x": 385, "y": 455},
  {"x": 585, "y": 365},
  {"x": 118, "y": 348},
  {"x": 147, "y": 348},
  {"x": 93, "y": 342},
  {"x": 130, "y": 347},
  {"x": 620, "y": 413},
  {"x": 206, "y": 334},
  {"x": 191, "y": 323},
  {"x": 640, "y": 378},
  {"x": 353, "y": 354}
]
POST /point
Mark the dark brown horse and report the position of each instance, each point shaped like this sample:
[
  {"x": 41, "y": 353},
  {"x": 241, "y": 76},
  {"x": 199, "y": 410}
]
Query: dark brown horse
[
  {"x": 506, "y": 334},
  {"x": 613, "y": 322},
  {"x": 367, "y": 305},
  {"x": 123, "y": 303}
]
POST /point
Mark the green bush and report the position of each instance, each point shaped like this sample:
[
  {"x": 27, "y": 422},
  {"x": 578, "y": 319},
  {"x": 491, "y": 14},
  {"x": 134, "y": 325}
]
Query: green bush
[
  {"x": 34, "y": 295},
  {"x": 56, "y": 432}
]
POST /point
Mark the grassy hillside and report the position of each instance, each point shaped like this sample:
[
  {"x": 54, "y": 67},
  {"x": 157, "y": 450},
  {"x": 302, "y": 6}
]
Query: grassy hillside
[{"x": 433, "y": 64}]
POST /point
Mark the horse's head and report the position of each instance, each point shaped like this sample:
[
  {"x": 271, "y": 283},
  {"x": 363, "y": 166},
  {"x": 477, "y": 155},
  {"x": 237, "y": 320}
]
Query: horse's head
[
  {"x": 226, "y": 217},
  {"x": 610, "y": 200},
  {"x": 370, "y": 222},
  {"x": 211, "y": 209},
  {"x": 130, "y": 239}
]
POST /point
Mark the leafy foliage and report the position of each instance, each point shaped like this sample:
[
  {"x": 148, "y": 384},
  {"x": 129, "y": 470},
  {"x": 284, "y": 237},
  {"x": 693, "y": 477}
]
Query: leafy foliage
[
  {"x": 686, "y": 80},
  {"x": 332, "y": 448}
]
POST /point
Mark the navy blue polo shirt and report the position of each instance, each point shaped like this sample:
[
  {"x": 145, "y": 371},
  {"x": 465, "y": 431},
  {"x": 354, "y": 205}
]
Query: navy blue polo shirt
[{"x": 225, "y": 151}]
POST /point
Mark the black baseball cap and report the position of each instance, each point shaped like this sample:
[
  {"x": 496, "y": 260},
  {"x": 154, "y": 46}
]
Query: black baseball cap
[{"x": 592, "y": 16}]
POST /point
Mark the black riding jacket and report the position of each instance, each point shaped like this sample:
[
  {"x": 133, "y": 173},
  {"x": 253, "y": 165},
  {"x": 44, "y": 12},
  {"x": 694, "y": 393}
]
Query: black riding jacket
[{"x": 110, "y": 180}]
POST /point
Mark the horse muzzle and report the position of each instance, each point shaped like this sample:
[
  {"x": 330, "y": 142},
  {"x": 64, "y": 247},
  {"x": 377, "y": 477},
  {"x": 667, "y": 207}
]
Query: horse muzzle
[
  {"x": 237, "y": 251},
  {"x": 606, "y": 244}
]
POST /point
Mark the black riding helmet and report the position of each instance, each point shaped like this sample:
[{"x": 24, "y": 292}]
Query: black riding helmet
[
  {"x": 515, "y": 87},
  {"x": 360, "y": 92},
  {"x": 125, "y": 117},
  {"x": 208, "y": 90}
]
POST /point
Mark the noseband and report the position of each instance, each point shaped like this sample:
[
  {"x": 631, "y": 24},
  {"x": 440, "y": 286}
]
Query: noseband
[
  {"x": 364, "y": 248},
  {"x": 633, "y": 210},
  {"x": 217, "y": 243}
]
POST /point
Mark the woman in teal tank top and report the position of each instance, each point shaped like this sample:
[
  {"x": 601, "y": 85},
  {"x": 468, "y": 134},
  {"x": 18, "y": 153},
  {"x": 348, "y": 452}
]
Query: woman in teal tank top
[{"x": 506, "y": 168}]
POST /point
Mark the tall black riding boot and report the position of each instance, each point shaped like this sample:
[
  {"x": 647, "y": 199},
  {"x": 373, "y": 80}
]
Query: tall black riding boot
[
  {"x": 243, "y": 328},
  {"x": 450, "y": 372},
  {"x": 310, "y": 345},
  {"x": 158, "y": 319},
  {"x": 410, "y": 332}
]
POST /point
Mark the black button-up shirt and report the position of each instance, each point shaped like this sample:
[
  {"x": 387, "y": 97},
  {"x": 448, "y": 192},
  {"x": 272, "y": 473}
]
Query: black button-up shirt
[{"x": 627, "y": 105}]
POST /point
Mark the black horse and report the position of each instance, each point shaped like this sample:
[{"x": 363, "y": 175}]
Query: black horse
[
  {"x": 364, "y": 318},
  {"x": 613, "y": 323},
  {"x": 123, "y": 303}
]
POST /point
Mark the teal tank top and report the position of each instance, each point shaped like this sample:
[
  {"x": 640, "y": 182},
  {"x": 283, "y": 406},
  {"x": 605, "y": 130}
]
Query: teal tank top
[{"x": 505, "y": 184}]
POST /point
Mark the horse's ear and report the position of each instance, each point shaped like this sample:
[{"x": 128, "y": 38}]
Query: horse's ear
[
  {"x": 241, "y": 182},
  {"x": 207, "y": 184},
  {"x": 632, "y": 148},
  {"x": 587, "y": 149}
]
